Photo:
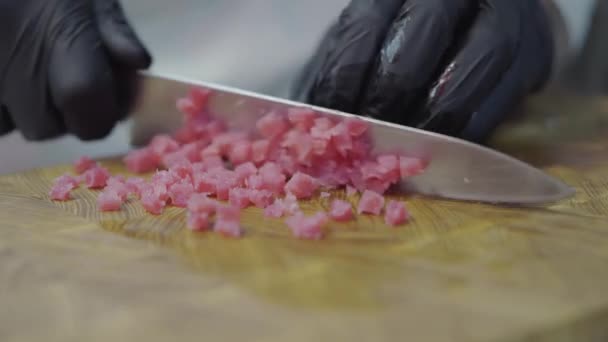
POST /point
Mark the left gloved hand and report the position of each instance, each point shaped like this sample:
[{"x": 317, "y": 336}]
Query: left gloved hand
[{"x": 456, "y": 67}]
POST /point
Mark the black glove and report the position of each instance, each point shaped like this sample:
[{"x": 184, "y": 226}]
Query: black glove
[
  {"x": 66, "y": 66},
  {"x": 456, "y": 67}
]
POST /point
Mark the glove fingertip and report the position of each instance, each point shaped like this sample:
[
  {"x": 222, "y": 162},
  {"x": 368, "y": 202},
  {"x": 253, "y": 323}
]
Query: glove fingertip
[
  {"x": 120, "y": 39},
  {"x": 6, "y": 123}
]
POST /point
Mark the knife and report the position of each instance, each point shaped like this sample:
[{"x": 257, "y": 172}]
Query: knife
[{"x": 458, "y": 170}]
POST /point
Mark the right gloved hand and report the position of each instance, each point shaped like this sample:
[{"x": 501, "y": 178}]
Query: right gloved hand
[
  {"x": 456, "y": 67},
  {"x": 66, "y": 66}
]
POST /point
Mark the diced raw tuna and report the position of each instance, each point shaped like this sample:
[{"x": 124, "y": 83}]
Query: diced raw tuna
[
  {"x": 173, "y": 158},
  {"x": 182, "y": 170},
  {"x": 395, "y": 213},
  {"x": 389, "y": 167},
  {"x": 191, "y": 151},
  {"x": 301, "y": 118},
  {"x": 272, "y": 125},
  {"x": 310, "y": 228},
  {"x": 162, "y": 144},
  {"x": 370, "y": 203},
  {"x": 180, "y": 193},
  {"x": 67, "y": 179},
  {"x": 154, "y": 198},
  {"x": 213, "y": 161},
  {"x": 291, "y": 206},
  {"x": 302, "y": 185},
  {"x": 200, "y": 203},
  {"x": 288, "y": 163},
  {"x": 224, "y": 182},
  {"x": 141, "y": 161},
  {"x": 96, "y": 177},
  {"x": 199, "y": 97},
  {"x": 324, "y": 123},
  {"x": 62, "y": 186},
  {"x": 341, "y": 211},
  {"x": 355, "y": 126},
  {"x": 197, "y": 221},
  {"x": 276, "y": 209},
  {"x": 341, "y": 139},
  {"x": 187, "y": 107},
  {"x": 227, "y": 221},
  {"x": 228, "y": 213},
  {"x": 272, "y": 177},
  {"x": 204, "y": 182},
  {"x": 165, "y": 177},
  {"x": 225, "y": 141},
  {"x": 212, "y": 150},
  {"x": 231, "y": 229},
  {"x": 410, "y": 166},
  {"x": 314, "y": 151},
  {"x": 109, "y": 200},
  {"x": 240, "y": 152},
  {"x": 245, "y": 170},
  {"x": 254, "y": 182},
  {"x": 117, "y": 184},
  {"x": 61, "y": 192},
  {"x": 239, "y": 197},
  {"x": 83, "y": 164},
  {"x": 135, "y": 185},
  {"x": 261, "y": 198},
  {"x": 260, "y": 150},
  {"x": 214, "y": 128}
]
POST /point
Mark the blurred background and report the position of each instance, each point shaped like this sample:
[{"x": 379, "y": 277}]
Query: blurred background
[{"x": 252, "y": 44}]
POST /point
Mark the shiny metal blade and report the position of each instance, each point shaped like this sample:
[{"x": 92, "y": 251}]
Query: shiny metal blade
[{"x": 458, "y": 169}]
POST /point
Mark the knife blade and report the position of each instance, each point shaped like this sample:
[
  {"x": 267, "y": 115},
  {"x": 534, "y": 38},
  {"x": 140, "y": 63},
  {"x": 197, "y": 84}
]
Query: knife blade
[{"x": 458, "y": 170}]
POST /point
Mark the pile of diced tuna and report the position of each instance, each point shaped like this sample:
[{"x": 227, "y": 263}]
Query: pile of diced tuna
[{"x": 214, "y": 172}]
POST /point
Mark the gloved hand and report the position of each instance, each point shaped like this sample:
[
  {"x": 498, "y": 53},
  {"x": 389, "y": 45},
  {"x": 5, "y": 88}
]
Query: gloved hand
[
  {"x": 456, "y": 67},
  {"x": 66, "y": 66}
]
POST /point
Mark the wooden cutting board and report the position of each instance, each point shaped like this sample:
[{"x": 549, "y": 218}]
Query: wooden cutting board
[{"x": 458, "y": 272}]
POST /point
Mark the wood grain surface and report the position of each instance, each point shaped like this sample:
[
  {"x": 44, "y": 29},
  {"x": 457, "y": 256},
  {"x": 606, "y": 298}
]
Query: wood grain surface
[{"x": 458, "y": 272}]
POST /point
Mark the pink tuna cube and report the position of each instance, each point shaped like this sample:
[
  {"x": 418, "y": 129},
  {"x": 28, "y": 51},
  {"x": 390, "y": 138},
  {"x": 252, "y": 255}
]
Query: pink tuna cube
[
  {"x": 228, "y": 228},
  {"x": 301, "y": 118},
  {"x": 261, "y": 198},
  {"x": 199, "y": 97},
  {"x": 260, "y": 150},
  {"x": 276, "y": 209},
  {"x": 245, "y": 170},
  {"x": 302, "y": 185},
  {"x": 310, "y": 228},
  {"x": 200, "y": 203},
  {"x": 96, "y": 177},
  {"x": 141, "y": 161},
  {"x": 356, "y": 126},
  {"x": 197, "y": 221},
  {"x": 370, "y": 203},
  {"x": 272, "y": 125},
  {"x": 410, "y": 166},
  {"x": 240, "y": 152},
  {"x": 83, "y": 164},
  {"x": 135, "y": 185},
  {"x": 341, "y": 211},
  {"x": 395, "y": 213},
  {"x": 62, "y": 186},
  {"x": 228, "y": 213},
  {"x": 109, "y": 200},
  {"x": 239, "y": 197},
  {"x": 180, "y": 193}
]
